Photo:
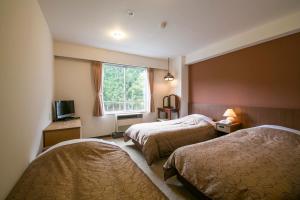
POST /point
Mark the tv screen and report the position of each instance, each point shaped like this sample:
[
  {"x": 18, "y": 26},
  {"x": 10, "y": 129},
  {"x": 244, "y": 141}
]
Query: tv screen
[{"x": 64, "y": 109}]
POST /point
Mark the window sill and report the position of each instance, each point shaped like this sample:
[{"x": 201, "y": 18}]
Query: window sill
[{"x": 125, "y": 113}]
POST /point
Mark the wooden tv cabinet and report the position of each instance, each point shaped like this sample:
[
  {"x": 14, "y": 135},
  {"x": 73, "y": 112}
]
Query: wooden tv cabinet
[{"x": 60, "y": 131}]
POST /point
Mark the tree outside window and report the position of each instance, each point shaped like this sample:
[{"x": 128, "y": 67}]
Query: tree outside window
[{"x": 124, "y": 88}]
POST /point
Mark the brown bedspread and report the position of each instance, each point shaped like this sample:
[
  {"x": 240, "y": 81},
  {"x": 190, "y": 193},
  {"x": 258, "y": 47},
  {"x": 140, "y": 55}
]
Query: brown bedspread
[
  {"x": 254, "y": 163},
  {"x": 86, "y": 170},
  {"x": 160, "y": 139}
]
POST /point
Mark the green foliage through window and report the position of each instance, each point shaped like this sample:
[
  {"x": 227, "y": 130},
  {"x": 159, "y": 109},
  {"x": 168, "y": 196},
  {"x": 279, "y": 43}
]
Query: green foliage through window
[{"x": 124, "y": 88}]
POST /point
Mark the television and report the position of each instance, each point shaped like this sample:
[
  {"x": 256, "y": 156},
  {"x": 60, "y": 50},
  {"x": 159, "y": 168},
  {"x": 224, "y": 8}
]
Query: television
[{"x": 64, "y": 109}]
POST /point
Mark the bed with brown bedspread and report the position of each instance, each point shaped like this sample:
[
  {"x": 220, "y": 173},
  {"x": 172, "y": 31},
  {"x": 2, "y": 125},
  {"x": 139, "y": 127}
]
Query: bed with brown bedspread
[
  {"x": 89, "y": 169},
  {"x": 160, "y": 139},
  {"x": 255, "y": 163}
]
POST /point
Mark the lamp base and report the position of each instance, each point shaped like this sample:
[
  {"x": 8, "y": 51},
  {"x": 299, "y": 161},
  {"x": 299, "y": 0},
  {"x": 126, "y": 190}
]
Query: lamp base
[{"x": 231, "y": 119}]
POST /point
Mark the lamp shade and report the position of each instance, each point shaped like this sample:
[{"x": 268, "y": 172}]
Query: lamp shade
[
  {"x": 229, "y": 113},
  {"x": 169, "y": 77}
]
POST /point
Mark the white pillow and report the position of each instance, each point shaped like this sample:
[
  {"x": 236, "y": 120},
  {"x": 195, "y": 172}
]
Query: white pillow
[{"x": 281, "y": 128}]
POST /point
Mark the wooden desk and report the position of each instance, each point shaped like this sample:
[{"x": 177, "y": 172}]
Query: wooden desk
[
  {"x": 168, "y": 112},
  {"x": 60, "y": 131}
]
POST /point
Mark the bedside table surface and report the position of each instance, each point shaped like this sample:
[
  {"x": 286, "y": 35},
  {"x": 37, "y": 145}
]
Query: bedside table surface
[
  {"x": 233, "y": 124},
  {"x": 76, "y": 123}
]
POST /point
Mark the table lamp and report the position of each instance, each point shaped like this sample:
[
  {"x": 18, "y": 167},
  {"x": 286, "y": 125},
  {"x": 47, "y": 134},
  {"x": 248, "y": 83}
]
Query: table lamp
[{"x": 230, "y": 115}]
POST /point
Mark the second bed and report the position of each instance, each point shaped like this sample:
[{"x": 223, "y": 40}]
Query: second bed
[
  {"x": 255, "y": 163},
  {"x": 160, "y": 139}
]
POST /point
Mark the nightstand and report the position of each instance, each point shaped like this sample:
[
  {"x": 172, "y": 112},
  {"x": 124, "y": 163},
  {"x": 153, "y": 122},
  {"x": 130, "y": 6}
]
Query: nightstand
[{"x": 228, "y": 128}]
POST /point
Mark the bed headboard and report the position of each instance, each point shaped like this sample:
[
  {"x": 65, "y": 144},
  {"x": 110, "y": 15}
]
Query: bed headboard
[{"x": 252, "y": 116}]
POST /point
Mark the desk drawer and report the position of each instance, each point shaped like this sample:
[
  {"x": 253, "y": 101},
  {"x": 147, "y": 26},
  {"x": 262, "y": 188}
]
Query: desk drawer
[
  {"x": 56, "y": 136},
  {"x": 223, "y": 128}
]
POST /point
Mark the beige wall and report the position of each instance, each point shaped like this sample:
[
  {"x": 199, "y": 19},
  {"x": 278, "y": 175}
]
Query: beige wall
[
  {"x": 26, "y": 82},
  {"x": 179, "y": 85},
  {"x": 70, "y": 50},
  {"x": 73, "y": 80}
]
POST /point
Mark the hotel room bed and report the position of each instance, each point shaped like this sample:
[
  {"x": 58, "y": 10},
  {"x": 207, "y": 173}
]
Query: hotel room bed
[
  {"x": 160, "y": 139},
  {"x": 84, "y": 169},
  {"x": 255, "y": 163}
]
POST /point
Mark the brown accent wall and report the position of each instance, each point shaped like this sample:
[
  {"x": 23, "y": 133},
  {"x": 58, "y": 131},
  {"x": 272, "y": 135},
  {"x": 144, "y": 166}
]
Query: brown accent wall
[{"x": 265, "y": 75}]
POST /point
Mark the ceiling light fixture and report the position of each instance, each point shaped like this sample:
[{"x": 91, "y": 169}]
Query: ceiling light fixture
[
  {"x": 117, "y": 35},
  {"x": 169, "y": 76}
]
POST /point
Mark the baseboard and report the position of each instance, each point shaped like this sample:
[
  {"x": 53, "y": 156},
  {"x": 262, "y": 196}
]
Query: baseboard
[
  {"x": 117, "y": 134},
  {"x": 112, "y": 135},
  {"x": 102, "y": 136}
]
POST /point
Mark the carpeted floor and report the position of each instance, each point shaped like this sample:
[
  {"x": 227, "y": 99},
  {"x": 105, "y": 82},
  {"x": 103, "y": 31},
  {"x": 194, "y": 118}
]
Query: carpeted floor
[{"x": 172, "y": 188}]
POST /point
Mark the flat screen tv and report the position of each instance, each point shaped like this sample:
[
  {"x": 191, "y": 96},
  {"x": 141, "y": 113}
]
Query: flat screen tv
[{"x": 64, "y": 109}]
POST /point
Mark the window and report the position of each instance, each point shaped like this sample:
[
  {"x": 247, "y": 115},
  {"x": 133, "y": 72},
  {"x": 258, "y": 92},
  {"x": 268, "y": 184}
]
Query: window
[{"x": 124, "y": 88}]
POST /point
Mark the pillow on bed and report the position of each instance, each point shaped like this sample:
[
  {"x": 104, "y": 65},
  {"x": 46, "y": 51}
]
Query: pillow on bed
[
  {"x": 281, "y": 128},
  {"x": 206, "y": 118}
]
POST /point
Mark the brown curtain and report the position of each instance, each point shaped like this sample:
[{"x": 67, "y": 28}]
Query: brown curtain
[
  {"x": 97, "y": 76},
  {"x": 151, "y": 81}
]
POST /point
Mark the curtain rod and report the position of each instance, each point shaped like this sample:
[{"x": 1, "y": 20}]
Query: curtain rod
[{"x": 83, "y": 59}]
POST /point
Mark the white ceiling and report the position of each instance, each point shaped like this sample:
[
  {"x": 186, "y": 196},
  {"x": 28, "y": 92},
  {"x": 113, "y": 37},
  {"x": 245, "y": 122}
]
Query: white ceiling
[{"x": 192, "y": 24}]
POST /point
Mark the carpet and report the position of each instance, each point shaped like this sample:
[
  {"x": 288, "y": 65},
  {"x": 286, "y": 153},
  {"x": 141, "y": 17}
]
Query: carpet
[{"x": 172, "y": 188}]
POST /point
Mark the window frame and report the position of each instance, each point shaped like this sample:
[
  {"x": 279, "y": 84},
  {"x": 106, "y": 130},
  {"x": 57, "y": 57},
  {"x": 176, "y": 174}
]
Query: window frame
[{"x": 146, "y": 88}]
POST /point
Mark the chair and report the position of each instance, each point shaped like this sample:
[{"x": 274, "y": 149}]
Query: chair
[{"x": 171, "y": 104}]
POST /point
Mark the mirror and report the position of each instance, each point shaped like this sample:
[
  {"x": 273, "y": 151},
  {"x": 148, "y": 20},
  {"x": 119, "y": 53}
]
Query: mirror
[{"x": 166, "y": 102}]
